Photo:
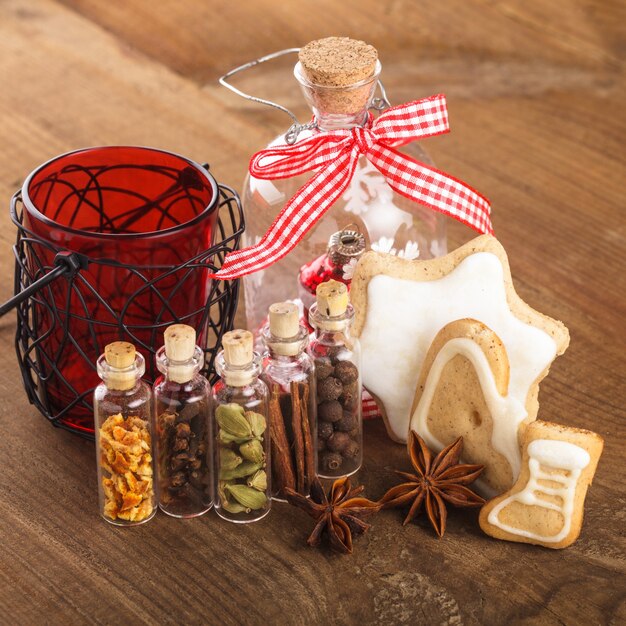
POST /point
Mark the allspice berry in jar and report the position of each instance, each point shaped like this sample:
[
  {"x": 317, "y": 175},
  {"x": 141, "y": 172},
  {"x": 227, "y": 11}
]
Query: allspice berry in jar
[
  {"x": 183, "y": 426},
  {"x": 242, "y": 440},
  {"x": 336, "y": 355},
  {"x": 124, "y": 437}
]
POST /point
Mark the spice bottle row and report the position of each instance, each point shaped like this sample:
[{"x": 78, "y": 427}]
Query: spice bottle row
[{"x": 272, "y": 421}]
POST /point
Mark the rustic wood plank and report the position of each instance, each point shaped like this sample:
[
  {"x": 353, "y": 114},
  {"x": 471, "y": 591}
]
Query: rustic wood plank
[{"x": 536, "y": 92}]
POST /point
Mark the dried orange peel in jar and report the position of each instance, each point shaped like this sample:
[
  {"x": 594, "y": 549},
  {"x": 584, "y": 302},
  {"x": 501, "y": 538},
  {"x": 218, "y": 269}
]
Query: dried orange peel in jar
[{"x": 125, "y": 457}]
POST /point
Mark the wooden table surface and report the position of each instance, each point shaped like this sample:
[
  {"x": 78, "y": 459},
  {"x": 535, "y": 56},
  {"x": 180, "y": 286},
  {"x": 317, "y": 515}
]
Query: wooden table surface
[{"x": 536, "y": 99}]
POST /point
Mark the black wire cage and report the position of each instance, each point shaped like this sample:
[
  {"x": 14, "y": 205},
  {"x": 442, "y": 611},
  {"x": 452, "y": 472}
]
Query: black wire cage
[{"x": 105, "y": 252}]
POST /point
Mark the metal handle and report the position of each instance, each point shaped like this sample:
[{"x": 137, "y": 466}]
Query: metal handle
[{"x": 66, "y": 264}]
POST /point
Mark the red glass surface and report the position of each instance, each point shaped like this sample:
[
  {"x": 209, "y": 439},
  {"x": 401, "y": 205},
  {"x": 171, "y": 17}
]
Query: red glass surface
[{"x": 138, "y": 207}]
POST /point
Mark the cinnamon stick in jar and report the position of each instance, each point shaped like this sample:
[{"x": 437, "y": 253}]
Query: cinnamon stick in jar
[
  {"x": 281, "y": 455},
  {"x": 298, "y": 439},
  {"x": 289, "y": 372},
  {"x": 309, "y": 450}
]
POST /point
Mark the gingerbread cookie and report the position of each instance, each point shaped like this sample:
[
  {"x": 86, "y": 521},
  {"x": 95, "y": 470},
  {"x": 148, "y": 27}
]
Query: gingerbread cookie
[
  {"x": 462, "y": 391},
  {"x": 402, "y": 304},
  {"x": 545, "y": 506}
]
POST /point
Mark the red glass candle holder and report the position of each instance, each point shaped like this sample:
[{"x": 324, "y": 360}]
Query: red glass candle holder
[{"x": 144, "y": 223}]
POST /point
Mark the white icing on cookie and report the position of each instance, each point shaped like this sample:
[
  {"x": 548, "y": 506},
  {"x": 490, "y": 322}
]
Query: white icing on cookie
[
  {"x": 405, "y": 315},
  {"x": 547, "y": 453},
  {"x": 507, "y": 412}
]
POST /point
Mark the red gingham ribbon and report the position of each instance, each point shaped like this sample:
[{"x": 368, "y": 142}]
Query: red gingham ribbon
[{"x": 335, "y": 154}]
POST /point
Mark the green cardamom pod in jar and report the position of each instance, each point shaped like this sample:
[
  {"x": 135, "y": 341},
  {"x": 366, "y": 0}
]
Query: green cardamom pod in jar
[
  {"x": 229, "y": 459},
  {"x": 227, "y": 438},
  {"x": 231, "y": 418},
  {"x": 257, "y": 423},
  {"x": 243, "y": 470},
  {"x": 252, "y": 451},
  {"x": 229, "y": 505},
  {"x": 258, "y": 481},
  {"x": 247, "y": 496}
]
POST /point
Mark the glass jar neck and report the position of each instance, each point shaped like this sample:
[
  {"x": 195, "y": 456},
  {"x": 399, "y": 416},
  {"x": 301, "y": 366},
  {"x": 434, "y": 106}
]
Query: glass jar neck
[
  {"x": 121, "y": 378},
  {"x": 180, "y": 371},
  {"x": 238, "y": 376},
  {"x": 326, "y": 327},
  {"x": 285, "y": 350},
  {"x": 338, "y": 107},
  {"x": 327, "y": 121}
]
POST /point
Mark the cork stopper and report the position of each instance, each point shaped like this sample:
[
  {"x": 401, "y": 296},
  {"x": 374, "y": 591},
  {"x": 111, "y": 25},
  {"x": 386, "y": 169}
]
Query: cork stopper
[
  {"x": 120, "y": 357},
  {"x": 332, "y": 298},
  {"x": 284, "y": 320},
  {"x": 180, "y": 347},
  {"x": 180, "y": 342},
  {"x": 338, "y": 61},
  {"x": 338, "y": 75},
  {"x": 119, "y": 354},
  {"x": 238, "y": 348},
  {"x": 285, "y": 337}
]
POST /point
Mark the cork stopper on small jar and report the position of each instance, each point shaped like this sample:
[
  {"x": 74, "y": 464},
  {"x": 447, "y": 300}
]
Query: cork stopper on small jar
[
  {"x": 180, "y": 347},
  {"x": 120, "y": 357},
  {"x": 334, "y": 63},
  {"x": 332, "y": 298},
  {"x": 238, "y": 348},
  {"x": 284, "y": 320},
  {"x": 285, "y": 326},
  {"x": 238, "y": 354}
]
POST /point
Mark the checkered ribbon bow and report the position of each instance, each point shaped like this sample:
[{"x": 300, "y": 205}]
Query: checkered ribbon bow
[{"x": 335, "y": 154}]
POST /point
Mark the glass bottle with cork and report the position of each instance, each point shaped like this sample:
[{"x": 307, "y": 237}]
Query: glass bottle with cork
[
  {"x": 182, "y": 399},
  {"x": 337, "y": 358},
  {"x": 345, "y": 248},
  {"x": 124, "y": 437},
  {"x": 338, "y": 77},
  {"x": 242, "y": 442},
  {"x": 288, "y": 371}
]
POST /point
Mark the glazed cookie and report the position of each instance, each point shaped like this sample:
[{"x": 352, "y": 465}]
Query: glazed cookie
[
  {"x": 545, "y": 506},
  {"x": 462, "y": 391},
  {"x": 402, "y": 304}
]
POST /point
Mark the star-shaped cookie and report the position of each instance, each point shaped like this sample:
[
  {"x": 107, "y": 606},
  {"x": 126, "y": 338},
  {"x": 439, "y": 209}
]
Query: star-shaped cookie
[{"x": 401, "y": 305}]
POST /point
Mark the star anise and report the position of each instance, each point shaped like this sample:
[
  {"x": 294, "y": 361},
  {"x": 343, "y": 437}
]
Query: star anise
[
  {"x": 339, "y": 514},
  {"x": 436, "y": 482}
]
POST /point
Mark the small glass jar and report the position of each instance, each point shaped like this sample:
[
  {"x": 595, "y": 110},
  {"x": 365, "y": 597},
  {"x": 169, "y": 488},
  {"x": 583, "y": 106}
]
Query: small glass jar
[
  {"x": 289, "y": 373},
  {"x": 182, "y": 399},
  {"x": 337, "y": 358},
  {"x": 242, "y": 439},
  {"x": 345, "y": 248},
  {"x": 124, "y": 437}
]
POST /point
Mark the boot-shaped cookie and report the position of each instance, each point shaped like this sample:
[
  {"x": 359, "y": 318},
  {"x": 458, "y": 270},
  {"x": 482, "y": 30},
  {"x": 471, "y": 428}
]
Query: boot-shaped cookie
[
  {"x": 545, "y": 506},
  {"x": 463, "y": 391}
]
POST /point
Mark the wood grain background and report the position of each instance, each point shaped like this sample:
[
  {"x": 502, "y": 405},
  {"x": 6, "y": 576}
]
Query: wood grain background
[{"x": 536, "y": 97}]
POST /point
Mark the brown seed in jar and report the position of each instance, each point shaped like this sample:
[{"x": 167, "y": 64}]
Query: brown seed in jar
[
  {"x": 338, "y": 442},
  {"x": 347, "y": 423},
  {"x": 179, "y": 461},
  {"x": 323, "y": 368},
  {"x": 334, "y": 352},
  {"x": 178, "y": 479},
  {"x": 330, "y": 461},
  {"x": 346, "y": 372},
  {"x": 324, "y": 430},
  {"x": 321, "y": 444},
  {"x": 183, "y": 430},
  {"x": 329, "y": 389},
  {"x": 351, "y": 450},
  {"x": 180, "y": 444},
  {"x": 350, "y": 395},
  {"x": 330, "y": 411}
]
